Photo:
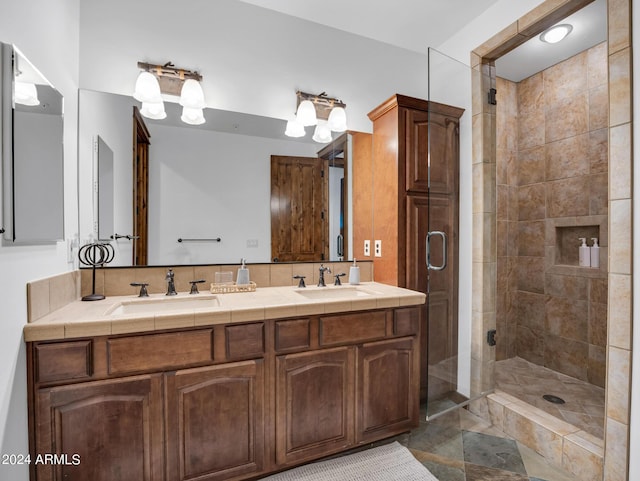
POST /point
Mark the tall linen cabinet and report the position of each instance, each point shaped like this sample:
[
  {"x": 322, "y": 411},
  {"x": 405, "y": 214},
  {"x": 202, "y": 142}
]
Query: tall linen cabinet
[{"x": 415, "y": 191}]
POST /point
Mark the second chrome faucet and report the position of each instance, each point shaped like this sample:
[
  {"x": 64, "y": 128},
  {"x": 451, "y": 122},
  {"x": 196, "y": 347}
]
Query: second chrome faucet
[{"x": 323, "y": 269}]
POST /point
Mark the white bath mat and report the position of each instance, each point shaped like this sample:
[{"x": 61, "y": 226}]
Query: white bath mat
[{"x": 391, "y": 462}]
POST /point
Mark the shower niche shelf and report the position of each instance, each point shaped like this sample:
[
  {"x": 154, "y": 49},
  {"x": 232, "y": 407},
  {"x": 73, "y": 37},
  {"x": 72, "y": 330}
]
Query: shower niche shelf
[{"x": 567, "y": 242}]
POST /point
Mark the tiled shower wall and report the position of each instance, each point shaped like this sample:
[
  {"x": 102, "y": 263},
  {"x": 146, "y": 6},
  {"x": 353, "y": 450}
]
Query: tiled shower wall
[{"x": 552, "y": 180}]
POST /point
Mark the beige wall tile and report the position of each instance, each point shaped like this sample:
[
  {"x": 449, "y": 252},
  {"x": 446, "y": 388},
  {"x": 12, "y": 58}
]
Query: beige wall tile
[
  {"x": 86, "y": 281},
  {"x": 565, "y": 80},
  {"x": 531, "y": 129},
  {"x": 45, "y": 332},
  {"x": 531, "y": 236},
  {"x": 569, "y": 287},
  {"x": 531, "y": 274},
  {"x": 598, "y": 194},
  {"x": 567, "y": 356},
  {"x": 620, "y": 87},
  {"x": 619, "y": 18},
  {"x": 616, "y": 448},
  {"x": 38, "y": 299},
  {"x": 543, "y": 441},
  {"x": 599, "y": 107},
  {"x": 531, "y": 202},
  {"x": 620, "y": 162},
  {"x": 568, "y": 197},
  {"x": 62, "y": 290},
  {"x": 531, "y": 309},
  {"x": 567, "y": 118},
  {"x": 530, "y": 344},
  {"x": 598, "y": 65},
  {"x": 598, "y": 324},
  {"x": 620, "y": 239},
  {"x": 567, "y": 158},
  {"x": 531, "y": 165},
  {"x": 260, "y": 274},
  {"x": 598, "y": 150},
  {"x": 618, "y": 384},
  {"x": 597, "y": 369},
  {"x": 530, "y": 94},
  {"x": 620, "y": 317},
  {"x": 567, "y": 318},
  {"x": 585, "y": 464}
]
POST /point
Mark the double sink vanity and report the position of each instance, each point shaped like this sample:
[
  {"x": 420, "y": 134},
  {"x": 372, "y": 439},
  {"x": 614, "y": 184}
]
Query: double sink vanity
[{"x": 220, "y": 386}]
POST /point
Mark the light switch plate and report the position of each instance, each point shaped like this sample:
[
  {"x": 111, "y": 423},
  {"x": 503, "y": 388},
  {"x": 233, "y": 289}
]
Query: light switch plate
[
  {"x": 377, "y": 248},
  {"x": 367, "y": 248}
]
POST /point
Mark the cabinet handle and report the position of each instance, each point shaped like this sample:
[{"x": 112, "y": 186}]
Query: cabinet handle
[{"x": 444, "y": 250}]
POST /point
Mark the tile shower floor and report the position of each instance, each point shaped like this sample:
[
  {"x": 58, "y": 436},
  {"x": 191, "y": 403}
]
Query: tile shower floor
[
  {"x": 459, "y": 446},
  {"x": 584, "y": 402}
]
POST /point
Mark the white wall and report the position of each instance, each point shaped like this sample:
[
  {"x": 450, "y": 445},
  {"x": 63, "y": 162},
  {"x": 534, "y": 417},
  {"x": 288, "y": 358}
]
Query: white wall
[
  {"x": 252, "y": 59},
  {"x": 47, "y": 33},
  {"x": 207, "y": 184}
]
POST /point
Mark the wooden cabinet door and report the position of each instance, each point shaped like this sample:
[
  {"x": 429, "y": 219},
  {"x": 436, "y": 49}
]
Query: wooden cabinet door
[
  {"x": 314, "y": 404},
  {"x": 114, "y": 426},
  {"x": 432, "y": 149},
  {"x": 215, "y": 422},
  {"x": 387, "y": 389}
]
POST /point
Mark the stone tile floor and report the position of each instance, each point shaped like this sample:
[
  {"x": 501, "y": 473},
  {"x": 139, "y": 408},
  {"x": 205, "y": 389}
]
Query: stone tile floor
[
  {"x": 584, "y": 402},
  {"x": 459, "y": 446}
]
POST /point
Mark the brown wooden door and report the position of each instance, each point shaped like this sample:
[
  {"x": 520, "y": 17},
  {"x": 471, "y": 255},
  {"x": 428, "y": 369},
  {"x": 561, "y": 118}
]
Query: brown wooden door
[
  {"x": 315, "y": 397},
  {"x": 388, "y": 375},
  {"x": 114, "y": 426},
  {"x": 215, "y": 422},
  {"x": 299, "y": 224},
  {"x": 141, "y": 141}
]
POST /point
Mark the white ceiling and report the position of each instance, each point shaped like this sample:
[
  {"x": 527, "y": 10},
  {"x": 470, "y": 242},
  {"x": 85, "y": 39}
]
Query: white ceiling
[
  {"x": 418, "y": 24},
  {"x": 410, "y": 24}
]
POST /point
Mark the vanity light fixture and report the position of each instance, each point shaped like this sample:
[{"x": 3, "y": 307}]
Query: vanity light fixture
[
  {"x": 155, "y": 80},
  {"x": 326, "y": 113},
  {"x": 556, "y": 33}
]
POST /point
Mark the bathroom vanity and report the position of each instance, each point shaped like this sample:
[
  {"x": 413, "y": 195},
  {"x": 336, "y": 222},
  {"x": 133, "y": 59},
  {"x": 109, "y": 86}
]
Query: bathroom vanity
[{"x": 236, "y": 387}]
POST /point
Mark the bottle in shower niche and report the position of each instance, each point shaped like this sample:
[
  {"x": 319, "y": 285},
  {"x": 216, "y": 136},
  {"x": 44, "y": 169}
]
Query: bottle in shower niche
[
  {"x": 594, "y": 251},
  {"x": 584, "y": 253}
]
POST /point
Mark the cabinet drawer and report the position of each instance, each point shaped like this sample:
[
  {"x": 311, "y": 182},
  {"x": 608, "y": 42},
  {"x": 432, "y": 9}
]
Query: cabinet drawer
[
  {"x": 351, "y": 328},
  {"x": 245, "y": 341},
  {"x": 159, "y": 351},
  {"x": 293, "y": 334},
  {"x": 406, "y": 322},
  {"x": 63, "y": 360}
]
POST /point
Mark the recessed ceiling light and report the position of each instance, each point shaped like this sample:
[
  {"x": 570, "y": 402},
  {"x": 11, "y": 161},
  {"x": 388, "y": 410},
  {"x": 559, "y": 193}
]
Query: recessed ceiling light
[{"x": 556, "y": 33}]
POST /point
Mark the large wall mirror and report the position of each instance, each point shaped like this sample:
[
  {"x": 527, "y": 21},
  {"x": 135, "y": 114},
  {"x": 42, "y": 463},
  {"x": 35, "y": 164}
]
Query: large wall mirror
[
  {"x": 32, "y": 155},
  {"x": 209, "y": 196}
]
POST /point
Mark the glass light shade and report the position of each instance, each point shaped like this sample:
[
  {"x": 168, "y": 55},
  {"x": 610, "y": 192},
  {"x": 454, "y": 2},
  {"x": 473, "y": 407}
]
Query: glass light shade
[
  {"x": 322, "y": 133},
  {"x": 306, "y": 113},
  {"x": 338, "y": 119},
  {"x": 147, "y": 88},
  {"x": 294, "y": 129},
  {"x": 153, "y": 110},
  {"x": 556, "y": 33},
  {"x": 192, "y": 116},
  {"x": 191, "y": 95},
  {"x": 25, "y": 93}
]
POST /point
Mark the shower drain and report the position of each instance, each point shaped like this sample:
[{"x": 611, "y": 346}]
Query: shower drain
[{"x": 553, "y": 399}]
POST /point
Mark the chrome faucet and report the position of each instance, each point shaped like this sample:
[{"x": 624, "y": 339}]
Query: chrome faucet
[
  {"x": 171, "y": 287},
  {"x": 323, "y": 269}
]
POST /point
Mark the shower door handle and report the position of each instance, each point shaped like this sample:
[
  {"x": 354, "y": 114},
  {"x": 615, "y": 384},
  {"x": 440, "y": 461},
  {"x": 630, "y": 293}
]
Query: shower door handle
[{"x": 444, "y": 250}]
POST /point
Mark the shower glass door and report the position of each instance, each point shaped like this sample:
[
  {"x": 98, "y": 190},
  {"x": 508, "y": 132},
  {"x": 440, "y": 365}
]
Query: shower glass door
[{"x": 447, "y": 254}]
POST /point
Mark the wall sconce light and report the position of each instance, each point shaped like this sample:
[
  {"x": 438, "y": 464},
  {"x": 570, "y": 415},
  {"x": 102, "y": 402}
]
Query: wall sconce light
[
  {"x": 326, "y": 113},
  {"x": 157, "y": 79}
]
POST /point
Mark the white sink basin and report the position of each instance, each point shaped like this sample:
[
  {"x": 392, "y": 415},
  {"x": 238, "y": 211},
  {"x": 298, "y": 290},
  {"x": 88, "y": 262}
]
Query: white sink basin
[
  {"x": 338, "y": 292},
  {"x": 163, "y": 304}
]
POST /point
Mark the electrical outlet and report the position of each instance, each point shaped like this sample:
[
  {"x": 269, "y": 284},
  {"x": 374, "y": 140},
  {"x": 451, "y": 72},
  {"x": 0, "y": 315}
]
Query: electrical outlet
[
  {"x": 377, "y": 248},
  {"x": 367, "y": 248}
]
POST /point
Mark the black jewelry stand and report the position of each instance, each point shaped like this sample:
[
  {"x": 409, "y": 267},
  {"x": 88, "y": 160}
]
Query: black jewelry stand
[{"x": 95, "y": 254}]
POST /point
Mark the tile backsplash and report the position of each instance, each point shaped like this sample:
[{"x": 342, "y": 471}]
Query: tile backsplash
[{"x": 47, "y": 295}]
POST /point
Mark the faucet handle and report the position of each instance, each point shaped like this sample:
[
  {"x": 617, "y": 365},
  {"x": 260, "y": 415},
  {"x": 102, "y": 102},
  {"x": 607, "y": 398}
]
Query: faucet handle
[
  {"x": 338, "y": 276},
  {"x": 301, "y": 283},
  {"x": 194, "y": 285},
  {"x": 143, "y": 288}
]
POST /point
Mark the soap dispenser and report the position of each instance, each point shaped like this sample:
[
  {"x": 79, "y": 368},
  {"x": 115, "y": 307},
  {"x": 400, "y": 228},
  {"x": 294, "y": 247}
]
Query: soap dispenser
[
  {"x": 584, "y": 253},
  {"x": 595, "y": 253},
  {"x": 243, "y": 275},
  {"x": 354, "y": 274}
]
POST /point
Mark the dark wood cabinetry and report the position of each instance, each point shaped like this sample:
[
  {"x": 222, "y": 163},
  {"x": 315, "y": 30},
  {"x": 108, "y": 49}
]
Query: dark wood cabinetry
[
  {"x": 416, "y": 172},
  {"x": 104, "y": 430},
  {"x": 232, "y": 401},
  {"x": 214, "y": 421}
]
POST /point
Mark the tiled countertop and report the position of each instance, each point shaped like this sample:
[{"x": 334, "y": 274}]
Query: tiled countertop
[{"x": 97, "y": 318}]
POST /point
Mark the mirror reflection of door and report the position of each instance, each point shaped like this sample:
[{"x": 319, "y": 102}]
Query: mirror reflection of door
[
  {"x": 141, "y": 141},
  {"x": 299, "y": 191}
]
